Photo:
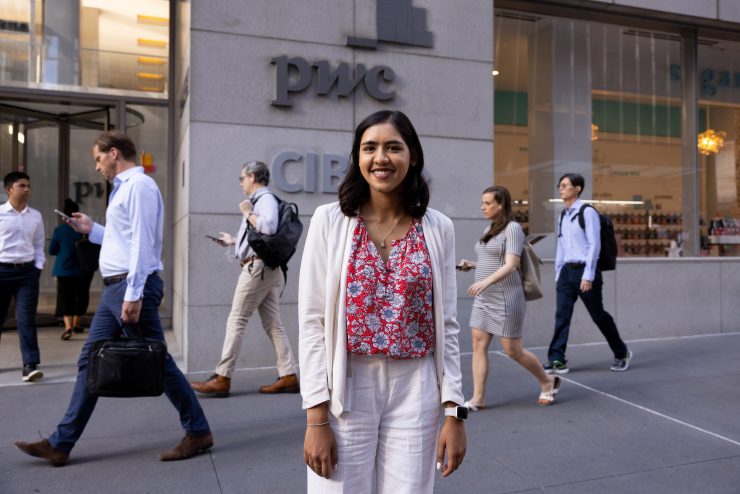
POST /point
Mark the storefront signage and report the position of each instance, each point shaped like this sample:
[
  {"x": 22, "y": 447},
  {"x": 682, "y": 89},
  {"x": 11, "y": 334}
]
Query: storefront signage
[
  {"x": 710, "y": 79},
  {"x": 85, "y": 189},
  {"x": 295, "y": 74},
  {"x": 322, "y": 173}
]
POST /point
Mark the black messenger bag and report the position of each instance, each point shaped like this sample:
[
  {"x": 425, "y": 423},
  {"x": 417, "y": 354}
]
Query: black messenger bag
[{"x": 126, "y": 367}]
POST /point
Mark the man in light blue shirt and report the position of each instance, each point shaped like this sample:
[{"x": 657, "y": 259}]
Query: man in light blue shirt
[
  {"x": 577, "y": 275},
  {"x": 130, "y": 259}
]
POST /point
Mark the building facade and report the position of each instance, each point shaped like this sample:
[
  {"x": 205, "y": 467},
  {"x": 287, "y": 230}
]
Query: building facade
[{"x": 511, "y": 92}]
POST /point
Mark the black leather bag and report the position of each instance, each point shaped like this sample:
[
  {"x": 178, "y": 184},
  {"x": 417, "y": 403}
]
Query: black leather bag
[
  {"x": 87, "y": 254},
  {"x": 126, "y": 367}
]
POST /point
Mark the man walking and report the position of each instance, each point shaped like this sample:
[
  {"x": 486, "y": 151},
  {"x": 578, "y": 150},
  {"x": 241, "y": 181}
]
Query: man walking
[
  {"x": 259, "y": 287},
  {"x": 21, "y": 261},
  {"x": 130, "y": 259},
  {"x": 577, "y": 275}
]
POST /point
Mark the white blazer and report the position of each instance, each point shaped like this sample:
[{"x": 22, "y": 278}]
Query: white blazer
[{"x": 322, "y": 303}]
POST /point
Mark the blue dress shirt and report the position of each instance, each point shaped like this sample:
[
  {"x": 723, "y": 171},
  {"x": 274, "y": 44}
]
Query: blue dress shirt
[
  {"x": 131, "y": 240},
  {"x": 576, "y": 244}
]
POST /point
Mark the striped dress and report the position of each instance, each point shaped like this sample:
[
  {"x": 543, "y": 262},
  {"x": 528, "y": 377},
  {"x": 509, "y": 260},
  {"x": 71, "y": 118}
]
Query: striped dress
[{"x": 499, "y": 309}]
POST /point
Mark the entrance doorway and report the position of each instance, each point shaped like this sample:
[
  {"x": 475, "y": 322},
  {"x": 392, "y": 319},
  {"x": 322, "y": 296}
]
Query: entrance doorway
[{"x": 51, "y": 142}]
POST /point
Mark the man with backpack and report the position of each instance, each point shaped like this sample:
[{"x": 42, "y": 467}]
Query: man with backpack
[
  {"x": 259, "y": 287},
  {"x": 578, "y": 269}
]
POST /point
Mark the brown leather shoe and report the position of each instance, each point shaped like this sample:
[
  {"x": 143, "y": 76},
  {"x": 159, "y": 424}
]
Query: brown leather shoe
[
  {"x": 285, "y": 384},
  {"x": 189, "y": 447},
  {"x": 215, "y": 385},
  {"x": 44, "y": 449}
]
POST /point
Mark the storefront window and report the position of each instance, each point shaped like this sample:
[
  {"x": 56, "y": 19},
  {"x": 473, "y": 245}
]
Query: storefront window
[
  {"x": 604, "y": 101},
  {"x": 719, "y": 154},
  {"x": 67, "y": 44}
]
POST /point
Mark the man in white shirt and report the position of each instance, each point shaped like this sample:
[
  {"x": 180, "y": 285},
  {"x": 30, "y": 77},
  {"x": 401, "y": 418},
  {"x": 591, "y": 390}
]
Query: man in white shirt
[
  {"x": 577, "y": 275},
  {"x": 259, "y": 287},
  {"x": 130, "y": 259},
  {"x": 21, "y": 261}
]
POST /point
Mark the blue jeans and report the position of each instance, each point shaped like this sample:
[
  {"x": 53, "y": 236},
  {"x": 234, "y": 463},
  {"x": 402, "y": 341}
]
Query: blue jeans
[
  {"x": 107, "y": 324},
  {"x": 24, "y": 284},
  {"x": 568, "y": 291}
]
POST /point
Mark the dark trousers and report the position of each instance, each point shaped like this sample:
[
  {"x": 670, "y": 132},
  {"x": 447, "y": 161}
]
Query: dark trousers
[
  {"x": 22, "y": 283},
  {"x": 107, "y": 324},
  {"x": 568, "y": 291}
]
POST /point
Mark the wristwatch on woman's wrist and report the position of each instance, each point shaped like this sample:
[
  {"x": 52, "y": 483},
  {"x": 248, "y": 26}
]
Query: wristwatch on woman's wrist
[{"x": 456, "y": 411}]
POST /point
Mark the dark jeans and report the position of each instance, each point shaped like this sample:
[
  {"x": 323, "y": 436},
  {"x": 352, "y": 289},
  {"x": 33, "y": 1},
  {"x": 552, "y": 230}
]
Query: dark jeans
[
  {"x": 568, "y": 291},
  {"x": 107, "y": 324},
  {"x": 24, "y": 285}
]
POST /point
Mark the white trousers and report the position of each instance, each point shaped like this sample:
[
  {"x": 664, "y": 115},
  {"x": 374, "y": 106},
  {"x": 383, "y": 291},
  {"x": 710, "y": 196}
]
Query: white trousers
[
  {"x": 387, "y": 439},
  {"x": 258, "y": 288}
]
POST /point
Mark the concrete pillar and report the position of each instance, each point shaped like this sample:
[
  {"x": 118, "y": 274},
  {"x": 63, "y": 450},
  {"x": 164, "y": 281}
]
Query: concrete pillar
[
  {"x": 61, "y": 51},
  {"x": 559, "y": 114}
]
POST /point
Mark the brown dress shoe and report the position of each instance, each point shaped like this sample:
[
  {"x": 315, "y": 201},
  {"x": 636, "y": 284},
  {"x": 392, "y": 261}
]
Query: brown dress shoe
[
  {"x": 44, "y": 449},
  {"x": 189, "y": 447},
  {"x": 285, "y": 384},
  {"x": 215, "y": 386}
]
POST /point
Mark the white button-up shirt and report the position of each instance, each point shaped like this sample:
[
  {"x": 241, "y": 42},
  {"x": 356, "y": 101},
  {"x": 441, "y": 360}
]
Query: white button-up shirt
[
  {"x": 21, "y": 235},
  {"x": 131, "y": 241},
  {"x": 266, "y": 221},
  {"x": 576, "y": 244}
]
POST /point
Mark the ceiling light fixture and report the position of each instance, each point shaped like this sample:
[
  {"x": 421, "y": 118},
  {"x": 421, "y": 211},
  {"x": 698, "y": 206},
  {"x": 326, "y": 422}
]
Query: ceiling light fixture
[
  {"x": 495, "y": 72},
  {"x": 594, "y": 132},
  {"x": 710, "y": 142}
]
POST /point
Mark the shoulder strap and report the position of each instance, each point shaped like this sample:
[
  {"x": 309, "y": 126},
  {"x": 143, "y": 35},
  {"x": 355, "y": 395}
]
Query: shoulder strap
[
  {"x": 560, "y": 223},
  {"x": 581, "y": 219}
]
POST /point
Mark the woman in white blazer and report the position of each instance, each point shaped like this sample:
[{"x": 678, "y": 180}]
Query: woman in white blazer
[{"x": 378, "y": 344}]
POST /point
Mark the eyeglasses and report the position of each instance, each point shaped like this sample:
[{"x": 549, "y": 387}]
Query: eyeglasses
[
  {"x": 564, "y": 186},
  {"x": 241, "y": 178}
]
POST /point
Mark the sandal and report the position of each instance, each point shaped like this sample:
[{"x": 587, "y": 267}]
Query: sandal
[
  {"x": 473, "y": 408},
  {"x": 66, "y": 335},
  {"x": 548, "y": 397}
]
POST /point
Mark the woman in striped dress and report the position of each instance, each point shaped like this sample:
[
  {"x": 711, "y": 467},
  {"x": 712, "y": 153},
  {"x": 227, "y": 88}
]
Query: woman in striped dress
[{"x": 499, "y": 304}]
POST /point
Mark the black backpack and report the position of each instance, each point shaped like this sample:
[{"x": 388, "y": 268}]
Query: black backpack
[
  {"x": 277, "y": 249},
  {"x": 608, "y": 253}
]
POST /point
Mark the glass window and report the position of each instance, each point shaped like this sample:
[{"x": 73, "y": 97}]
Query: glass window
[
  {"x": 719, "y": 155},
  {"x": 596, "y": 99},
  {"x": 67, "y": 44}
]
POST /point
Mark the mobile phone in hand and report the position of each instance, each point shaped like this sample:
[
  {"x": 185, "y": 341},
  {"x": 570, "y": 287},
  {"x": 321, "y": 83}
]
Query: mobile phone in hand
[
  {"x": 63, "y": 216},
  {"x": 215, "y": 239}
]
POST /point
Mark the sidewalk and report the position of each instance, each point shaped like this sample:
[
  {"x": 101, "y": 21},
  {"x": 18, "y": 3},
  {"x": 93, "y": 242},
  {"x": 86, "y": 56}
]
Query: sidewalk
[{"x": 668, "y": 425}]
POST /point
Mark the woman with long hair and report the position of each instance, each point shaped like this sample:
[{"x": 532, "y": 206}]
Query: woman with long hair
[
  {"x": 379, "y": 353},
  {"x": 499, "y": 305}
]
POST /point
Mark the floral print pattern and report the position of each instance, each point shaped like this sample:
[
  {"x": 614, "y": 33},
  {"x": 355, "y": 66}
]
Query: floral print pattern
[{"x": 389, "y": 304}]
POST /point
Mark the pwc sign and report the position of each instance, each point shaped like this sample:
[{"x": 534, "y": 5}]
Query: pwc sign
[
  {"x": 398, "y": 22},
  {"x": 294, "y": 75}
]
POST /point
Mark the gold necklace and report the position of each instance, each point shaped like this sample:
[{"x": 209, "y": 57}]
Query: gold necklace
[{"x": 377, "y": 227}]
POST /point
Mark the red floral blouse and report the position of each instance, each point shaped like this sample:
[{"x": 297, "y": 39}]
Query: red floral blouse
[{"x": 389, "y": 305}]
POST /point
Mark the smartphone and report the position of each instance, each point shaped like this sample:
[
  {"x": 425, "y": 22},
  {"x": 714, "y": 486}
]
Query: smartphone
[
  {"x": 64, "y": 216},
  {"x": 215, "y": 239}
]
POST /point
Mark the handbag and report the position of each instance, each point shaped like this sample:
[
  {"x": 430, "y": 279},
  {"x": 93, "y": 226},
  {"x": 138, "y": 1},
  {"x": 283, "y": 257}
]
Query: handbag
[
  {"x": 87, "y": 254},
  {"x": 126, "y": 367},
  {"x": 529, "y": 269}
]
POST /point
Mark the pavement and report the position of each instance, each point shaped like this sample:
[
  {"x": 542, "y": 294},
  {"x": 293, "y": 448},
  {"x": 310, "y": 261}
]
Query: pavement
[{"x": 668, "y": 425}]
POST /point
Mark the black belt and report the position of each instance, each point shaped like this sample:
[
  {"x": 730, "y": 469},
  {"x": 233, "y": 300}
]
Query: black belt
[
  {"x": 575, "y": 265},
  {"x": 110, "y": 280},
  {"x": 17, "y": 265}
]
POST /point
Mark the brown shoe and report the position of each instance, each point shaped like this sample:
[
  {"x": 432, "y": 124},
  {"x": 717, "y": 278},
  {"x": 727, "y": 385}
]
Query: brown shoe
[
  {"x": 189, "y": 447},
  {"x": 44, "y": 449},
  {"x": 285, "y": 384},
  {"x": 215, "y": 386}
]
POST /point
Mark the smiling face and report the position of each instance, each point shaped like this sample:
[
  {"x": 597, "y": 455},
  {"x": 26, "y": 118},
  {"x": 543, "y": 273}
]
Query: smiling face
[
  {"x": 489, "y": 207},
  {"x": 384, "y": 158},
  {"x": 105, "y": 162}
]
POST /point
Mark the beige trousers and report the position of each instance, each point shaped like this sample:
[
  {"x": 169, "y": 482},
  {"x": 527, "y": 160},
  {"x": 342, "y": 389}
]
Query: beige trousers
[{"x": 255, "y": 291}]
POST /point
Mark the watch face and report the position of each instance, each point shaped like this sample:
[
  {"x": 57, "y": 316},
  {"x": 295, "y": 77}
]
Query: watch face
[{"x": 462, "y": 413}]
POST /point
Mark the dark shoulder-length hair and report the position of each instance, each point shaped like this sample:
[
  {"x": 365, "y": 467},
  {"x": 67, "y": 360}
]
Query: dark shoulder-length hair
[
  {"x": 354, "y": 190},
  {"x": 502, "y": 196}
]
